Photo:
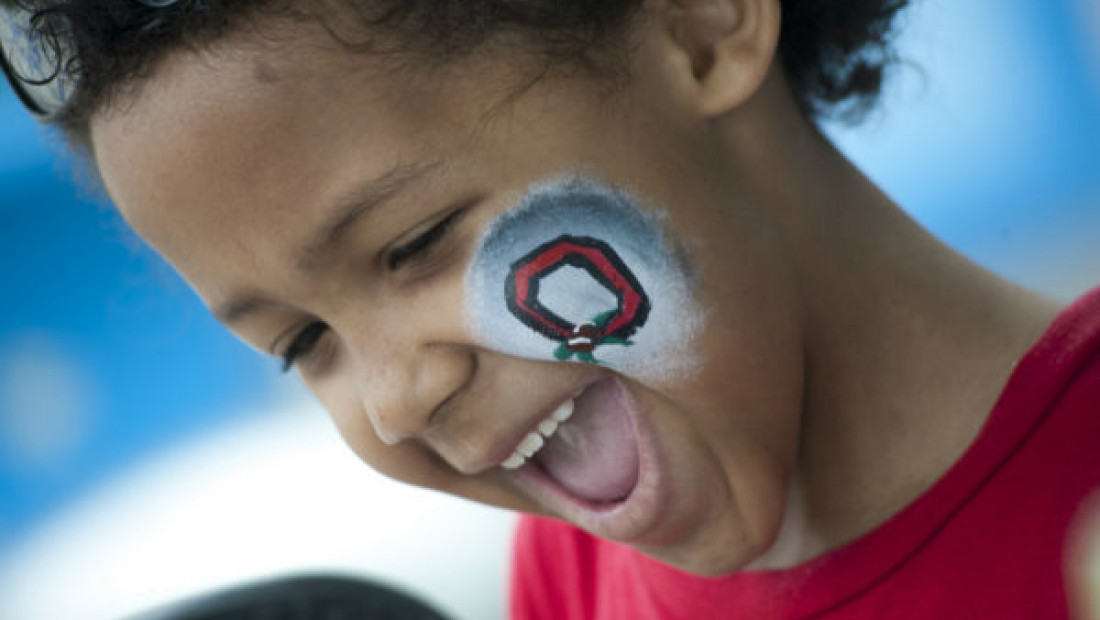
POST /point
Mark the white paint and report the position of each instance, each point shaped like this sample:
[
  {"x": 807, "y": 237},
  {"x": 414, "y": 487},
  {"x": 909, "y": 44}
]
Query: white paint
[
  {"x": 662, "y": 349},
  {"x": 574, "y": 295}
]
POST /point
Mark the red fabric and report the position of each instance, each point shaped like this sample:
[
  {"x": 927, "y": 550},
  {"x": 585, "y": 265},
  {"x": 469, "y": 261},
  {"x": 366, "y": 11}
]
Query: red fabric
[{"x": 987, "y": 541}]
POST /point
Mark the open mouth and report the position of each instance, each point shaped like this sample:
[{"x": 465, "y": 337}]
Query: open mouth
[
  {"x": 587, "y": 445},
  {"x": 591, "y": 461}
]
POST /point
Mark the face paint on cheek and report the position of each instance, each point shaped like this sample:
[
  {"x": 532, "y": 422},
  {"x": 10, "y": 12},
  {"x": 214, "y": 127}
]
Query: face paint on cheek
[
  {"x": 613, "y": 320},
  {"x": 578, "y": 271}
]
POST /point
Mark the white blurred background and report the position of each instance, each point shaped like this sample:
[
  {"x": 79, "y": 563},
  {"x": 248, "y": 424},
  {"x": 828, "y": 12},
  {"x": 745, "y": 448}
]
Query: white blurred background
[{"x": 146, "y": 456}]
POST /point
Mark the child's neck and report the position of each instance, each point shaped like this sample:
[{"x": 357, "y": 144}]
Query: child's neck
[{"x": 907, "y": 346}]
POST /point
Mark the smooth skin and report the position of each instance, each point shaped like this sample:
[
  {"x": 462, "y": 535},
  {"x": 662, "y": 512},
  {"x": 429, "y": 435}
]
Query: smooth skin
[{"x": 848, "y": 358}]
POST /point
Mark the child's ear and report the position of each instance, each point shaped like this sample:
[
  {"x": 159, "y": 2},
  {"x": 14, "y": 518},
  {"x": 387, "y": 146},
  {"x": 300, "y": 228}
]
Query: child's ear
[{"x": 726, "y": 45}]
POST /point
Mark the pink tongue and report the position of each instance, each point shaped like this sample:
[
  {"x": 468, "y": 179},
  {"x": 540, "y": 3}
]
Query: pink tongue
[{"x": 595, "y": 454}]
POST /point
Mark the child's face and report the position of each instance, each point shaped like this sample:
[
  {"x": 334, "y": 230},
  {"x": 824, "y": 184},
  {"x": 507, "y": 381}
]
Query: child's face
[{"x": 455, "y": 259}]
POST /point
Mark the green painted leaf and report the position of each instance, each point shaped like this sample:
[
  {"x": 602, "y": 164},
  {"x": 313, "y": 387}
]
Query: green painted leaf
[{"x": 562, "y": 353}]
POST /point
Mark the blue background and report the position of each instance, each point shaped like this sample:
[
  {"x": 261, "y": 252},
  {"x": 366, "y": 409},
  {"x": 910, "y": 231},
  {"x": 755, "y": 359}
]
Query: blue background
[{"x": 95, "y": 311}]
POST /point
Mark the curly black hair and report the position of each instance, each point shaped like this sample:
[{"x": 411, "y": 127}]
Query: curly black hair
[{"x": 834, "y": 52}]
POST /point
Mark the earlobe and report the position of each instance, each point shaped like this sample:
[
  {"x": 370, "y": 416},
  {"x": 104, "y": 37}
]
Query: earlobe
[{"x": 730, "y": 45}]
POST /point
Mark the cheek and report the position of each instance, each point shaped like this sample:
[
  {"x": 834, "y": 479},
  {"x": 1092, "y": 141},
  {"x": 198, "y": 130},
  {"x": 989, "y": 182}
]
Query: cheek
[{"x": 578, "y": 272}]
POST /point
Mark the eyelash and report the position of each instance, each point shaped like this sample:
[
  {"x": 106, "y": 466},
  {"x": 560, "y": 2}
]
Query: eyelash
[
  {"x": 422, "y": 243},
  {"x": 303, "y": 343},
  {"x": 307, "y": 338}
]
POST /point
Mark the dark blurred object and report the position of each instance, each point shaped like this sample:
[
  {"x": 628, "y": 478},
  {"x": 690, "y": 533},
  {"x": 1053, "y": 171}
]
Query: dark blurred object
[{"x": 314, "y": 597}]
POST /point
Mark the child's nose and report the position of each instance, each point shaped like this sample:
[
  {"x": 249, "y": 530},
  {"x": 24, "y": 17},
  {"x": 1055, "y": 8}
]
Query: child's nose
[{"x": 406, "y": 386}]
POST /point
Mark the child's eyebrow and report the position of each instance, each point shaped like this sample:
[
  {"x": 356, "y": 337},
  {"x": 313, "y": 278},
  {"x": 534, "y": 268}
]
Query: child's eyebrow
[{"x": 358, "y": 203}]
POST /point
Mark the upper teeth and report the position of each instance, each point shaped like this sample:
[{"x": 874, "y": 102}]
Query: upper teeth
[{"x": 535, "y": 440}]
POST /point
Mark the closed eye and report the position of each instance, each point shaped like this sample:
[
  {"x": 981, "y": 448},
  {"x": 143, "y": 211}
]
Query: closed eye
[
  {"x": 303, "y": 344},
  {"x": 420, "y": 245}
]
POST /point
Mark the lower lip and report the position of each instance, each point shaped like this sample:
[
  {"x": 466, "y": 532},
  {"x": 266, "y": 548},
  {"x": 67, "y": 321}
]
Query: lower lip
[{"x": 626, "y": 520}]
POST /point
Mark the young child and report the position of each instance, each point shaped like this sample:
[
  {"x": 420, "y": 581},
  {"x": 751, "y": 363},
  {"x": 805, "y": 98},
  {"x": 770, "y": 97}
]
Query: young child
[{"x": 594, "y": 262}]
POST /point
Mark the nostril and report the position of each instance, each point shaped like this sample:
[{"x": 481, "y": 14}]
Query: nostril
[
  {"x": 390, "y": 439},
  {"x": 392, "y": 428},
  {"x": 406, "y": 421}
]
